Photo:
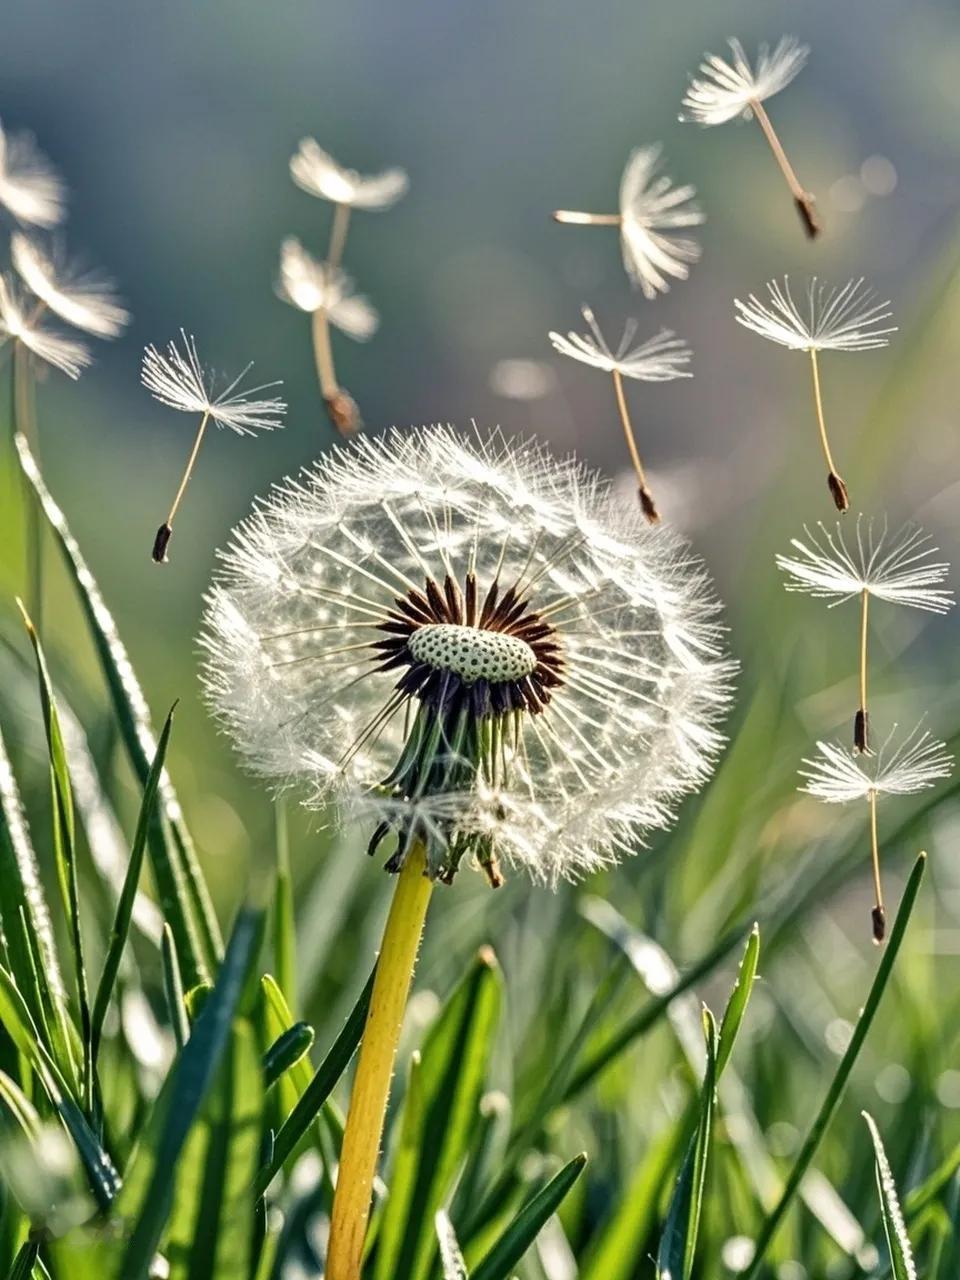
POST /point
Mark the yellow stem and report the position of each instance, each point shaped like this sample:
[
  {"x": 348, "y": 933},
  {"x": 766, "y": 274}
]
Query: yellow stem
[
  {"x": 576, "y": 218},
  {"x": 818, "y": 400},
  {"x": 875, "y": 852},
  {"x": 371, "y": 1086},
  {"x": 864, "y": 613},
  {"x": 191, "y": 461},
  {"x": 323, "y": 354},
  {"x": 338, "y": 234},
  {"x": 646, "y": 497}
]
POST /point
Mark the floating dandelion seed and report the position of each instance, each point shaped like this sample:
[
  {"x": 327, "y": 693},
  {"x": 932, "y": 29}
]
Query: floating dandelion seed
[
  {"x": 659, "y": 359},
  {"x": 471, "y": 645},
  {"x": 29, "y": 188},
  {"x": 898, "y": 569},
  {"x": 178, "y": 381},
  {"x": 86, "y": 301},
  {"x": 326, "y": 293},
  {"x": 725, "y": 90},
  {"x": 833, "y": 776},
  {"x": 20, "y": 322},
  {"x": 833, "y": 319},
  {"x": 649, "y": 206}
]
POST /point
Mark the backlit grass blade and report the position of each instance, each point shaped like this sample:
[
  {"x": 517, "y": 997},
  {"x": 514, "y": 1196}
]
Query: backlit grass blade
[
  {"x": 451, "y": 1259},
  {"x": 147, "y": 1195},
  {"x": 183, "y": 893},
  {"x": 499, "y": 1262},
  {"x": 898, "y": 1242},
  {"x": 27, "y": 930},
  {"x": 446, "y": 1101},
  {"x": 124, "y": 915},
  {"x": 173, "y": 988},
  {"x": 732, "y": 1018},
  {"x": 284, "y": 921},
  {"x": 65, "y": 851},
  {"x": 319, "y": 1089},
  {"x": 842, "y": 1074},
  {"x": 678, "y": 1244},
  {"x": 210, "y": 1235}
]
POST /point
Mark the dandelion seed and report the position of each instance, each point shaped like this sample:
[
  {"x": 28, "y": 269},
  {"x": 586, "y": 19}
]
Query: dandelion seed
[
  {"x": 316, "y": 172},
  {"x": 86, "y": 301},
  {"x": 326, "y": 293},
  {"x": 178, "y": 381},
  {"x": 472, "y": 647},
  {"x": 649, "y": 205},
  {"x": 660, "y": 359},
  {"x": 834, "y": 319},
  {"x": 20, "y": 323},
  {"x": 833, "y": 776},
  {"x": 29, "y": 188},
  {"x": 725, "y": 90},
  {"x": 897, "y": 569}
]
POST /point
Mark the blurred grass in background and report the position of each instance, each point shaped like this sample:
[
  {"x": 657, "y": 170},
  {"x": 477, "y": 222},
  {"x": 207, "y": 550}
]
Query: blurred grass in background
[{"x": 174, "y": 124}]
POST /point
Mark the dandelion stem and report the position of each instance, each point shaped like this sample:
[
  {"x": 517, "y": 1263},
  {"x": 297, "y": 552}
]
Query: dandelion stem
[
  {"x": 323, "y": 354},
  {"x": 165, "y": 531},
  {"x": 802, "y": 199},
  {"x": 879, "y": 915},
  {"x": 834, "y": 481},
  {"x": 371, "y": 1086},
  {"x": 646, "y": 498},
  {"x": 338, "y": 234},
  {"x": 575, "y": 218},
  {"x": 861, "y": 727}
]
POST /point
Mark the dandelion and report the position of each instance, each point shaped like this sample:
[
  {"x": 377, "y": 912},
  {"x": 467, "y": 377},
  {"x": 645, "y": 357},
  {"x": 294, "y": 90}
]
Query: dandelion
[
  {"x": 478, "y": 653},
  {"x": 30, "y": 190},
  {"x": 85, "y": 301},
  {"x": 898, "y": 569},
  {"x": 833, "y": 776},
  {"x": 727, "y": 90},
  {"x": 650, "y": 205},
  {"x": 326, "y": 293},
  {"x": 659, "y": 359},
  {"x": 178, "y": 381},
  {"x": 848, "y": 318},
  {"x": 20, "y": 325}
]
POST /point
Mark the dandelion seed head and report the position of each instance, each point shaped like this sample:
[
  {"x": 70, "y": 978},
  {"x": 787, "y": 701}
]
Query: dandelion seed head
[
  {"x": 316, "y": 172},
  {"x": 844, "y": 318},
  {"x": 650, "y": 206},
  {"x": 660, "y": 359},
  {"x": 916, "y": 763},
  {"x": 178, "y": 380},
  {"x": 85, "y": 300},
  {"x": 30, "y": 190},
  {"x": 20, "y": 322},
  {"x": 725, "y": 89},
  {"x": 463, "y": 639},
  {"x": 316, "y": 286},
  {"x": 898, "y": 568}
]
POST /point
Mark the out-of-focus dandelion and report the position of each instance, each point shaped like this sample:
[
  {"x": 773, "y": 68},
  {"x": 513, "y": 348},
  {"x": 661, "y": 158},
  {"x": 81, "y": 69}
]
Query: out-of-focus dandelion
[
  {"x": 832, "y": 775},
  {"x": 326, "y": 293},
  {"x": 660, "y": 359},
  {"x": 30, "y": 189},
  {"x": 85, "y": 300},
  {"x": 177, "y": 379},
  {"x": 844, "y": 318},
  {"x": 21, "y": 326},
  {"x": 725, "y": 90},
  {"x": 898, "y": 568},
  {"x": 650, "y": 206},
  {"x": 470, "y": 645}
]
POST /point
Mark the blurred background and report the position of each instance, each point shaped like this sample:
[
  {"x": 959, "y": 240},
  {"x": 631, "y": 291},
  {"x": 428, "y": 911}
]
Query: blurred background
[{"x": 173, "y": 125}]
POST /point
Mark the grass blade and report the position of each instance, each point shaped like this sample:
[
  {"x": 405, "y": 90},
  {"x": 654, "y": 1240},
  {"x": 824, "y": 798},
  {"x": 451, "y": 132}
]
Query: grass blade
[
  {"x": 678, "y": 1244},
  {"x": 64, "y": 844},
  {"x": 173, "y": 989},
  {"x": 732, "y": 1018},
  {"x": 319, "y": 1089},
  {"x": 450, "y": 1081},
  {"x": 284, "y": 920},
  {"x": 286, "y": 1051},
  {"x": 451, "y": 1259},
  {"x": 498, "y": 1264},
  {"x": 148, "y": 1191},
  {"x": 183, "y": 893},
  {"x": 121, "y": 924},
  {"x": 898, "y": 1242},
  {"x": 839, "y": 1082}
]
